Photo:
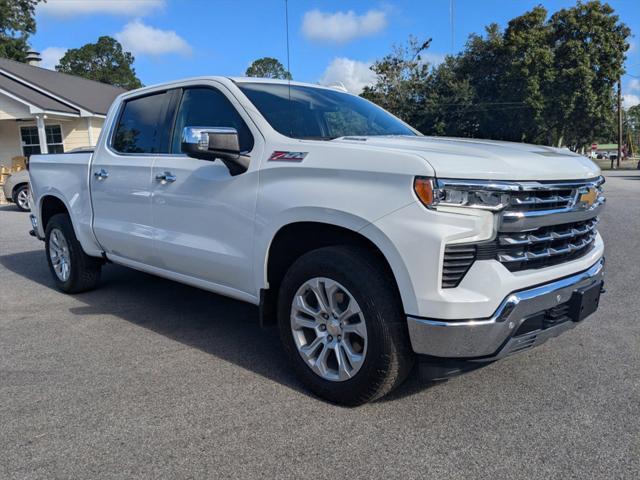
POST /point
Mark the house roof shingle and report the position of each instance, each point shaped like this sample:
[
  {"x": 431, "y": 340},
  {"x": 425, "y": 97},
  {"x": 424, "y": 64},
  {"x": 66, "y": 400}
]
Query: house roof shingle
[
  {"x": 89, "y": 95},
  {"x": 32, "y": 96}
]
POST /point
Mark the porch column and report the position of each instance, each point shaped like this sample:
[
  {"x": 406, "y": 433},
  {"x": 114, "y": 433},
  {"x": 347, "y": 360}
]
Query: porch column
[
  {"x": 90, "y": 132},
  {"x": 42, "y": 136}
]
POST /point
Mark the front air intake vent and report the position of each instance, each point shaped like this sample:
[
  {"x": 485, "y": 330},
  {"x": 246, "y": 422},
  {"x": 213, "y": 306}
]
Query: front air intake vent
[{"x": 457, "y": 261}]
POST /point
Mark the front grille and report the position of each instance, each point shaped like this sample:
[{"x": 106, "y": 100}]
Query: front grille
[
  {"x": 543, "y": 224},
  {"x": 540, "y": 248}
]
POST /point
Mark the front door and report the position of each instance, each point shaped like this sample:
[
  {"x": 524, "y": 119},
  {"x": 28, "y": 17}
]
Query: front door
[
  {"x": 121, "y": 178},
  {"x": 203, "y": 216}
]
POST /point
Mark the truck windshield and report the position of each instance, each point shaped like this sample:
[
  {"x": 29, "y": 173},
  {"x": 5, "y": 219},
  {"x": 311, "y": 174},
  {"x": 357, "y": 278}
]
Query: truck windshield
[{"x": 320, "y": 113}]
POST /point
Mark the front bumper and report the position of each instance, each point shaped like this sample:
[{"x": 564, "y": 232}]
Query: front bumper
[{"x": 498, "y": 336}]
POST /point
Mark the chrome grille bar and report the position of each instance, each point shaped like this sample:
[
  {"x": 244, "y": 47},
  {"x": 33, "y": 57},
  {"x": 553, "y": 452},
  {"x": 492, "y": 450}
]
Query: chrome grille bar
[
  {"x": 548, "y": 252},
  {"x": 547, "y": 236}
]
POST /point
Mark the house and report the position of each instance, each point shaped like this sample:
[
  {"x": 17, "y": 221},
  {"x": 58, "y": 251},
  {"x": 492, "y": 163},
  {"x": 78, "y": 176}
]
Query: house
[{"x": 44, "y": 111}]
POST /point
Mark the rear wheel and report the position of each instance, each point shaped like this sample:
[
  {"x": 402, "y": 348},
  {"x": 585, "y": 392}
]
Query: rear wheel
[
  {"x": 342, "y": 325},
  {"x": 21, "y": 198},
  {"x": 73, "y": 270}
]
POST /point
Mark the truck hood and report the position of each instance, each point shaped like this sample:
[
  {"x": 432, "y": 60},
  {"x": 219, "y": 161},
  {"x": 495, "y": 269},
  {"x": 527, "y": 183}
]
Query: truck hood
[{"x": 487, "y": 159}]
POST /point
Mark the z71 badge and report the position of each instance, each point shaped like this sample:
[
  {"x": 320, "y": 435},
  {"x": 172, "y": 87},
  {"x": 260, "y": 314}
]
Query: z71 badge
[{"x": 287, "y": 156}]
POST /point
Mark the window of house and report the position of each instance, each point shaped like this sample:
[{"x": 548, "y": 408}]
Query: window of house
[{"x": 31, "y": 141}]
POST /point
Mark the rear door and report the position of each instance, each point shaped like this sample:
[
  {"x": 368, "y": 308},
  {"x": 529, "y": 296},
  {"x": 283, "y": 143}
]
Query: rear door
[
  {"x": 204, "y": 217},
  {"x": 121, "y": 177}
]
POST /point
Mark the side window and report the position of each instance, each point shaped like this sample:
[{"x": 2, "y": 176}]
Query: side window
[
  {"x": 208, "y": 107},
  {"x": 143, "y": 125}
]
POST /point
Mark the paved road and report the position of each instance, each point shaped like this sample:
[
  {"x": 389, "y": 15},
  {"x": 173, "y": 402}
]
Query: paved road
[{"x": 146, "y": 378}]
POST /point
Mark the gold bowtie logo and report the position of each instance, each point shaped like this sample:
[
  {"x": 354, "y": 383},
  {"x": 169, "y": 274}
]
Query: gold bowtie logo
[{"x": 589, "y": 197}]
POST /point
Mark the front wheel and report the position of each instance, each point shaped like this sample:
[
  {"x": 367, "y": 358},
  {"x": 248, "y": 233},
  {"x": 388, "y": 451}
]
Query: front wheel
[{"x": 342, "y": 325}]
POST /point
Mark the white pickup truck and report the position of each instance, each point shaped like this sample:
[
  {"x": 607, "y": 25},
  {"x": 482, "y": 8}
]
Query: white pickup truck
[{"x": 368, "y": 243}]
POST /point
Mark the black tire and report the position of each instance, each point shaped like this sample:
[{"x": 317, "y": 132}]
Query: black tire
[
  {"x": 16, "y": 193},
  {"x": 389, "y": 357},
  {"x": 84, "y": 271}
]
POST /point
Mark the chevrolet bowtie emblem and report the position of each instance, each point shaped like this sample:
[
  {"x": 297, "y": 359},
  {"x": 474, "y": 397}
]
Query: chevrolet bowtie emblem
[{"x": 588, "y": 197}]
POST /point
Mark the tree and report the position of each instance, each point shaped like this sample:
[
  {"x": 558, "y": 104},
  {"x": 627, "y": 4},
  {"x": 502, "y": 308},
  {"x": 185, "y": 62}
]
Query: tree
[
  {"x": 103, "y": 61},
  {"x": 632, "y": 125},
  {"x": 17, "y": 22},
  {"x": 590, "y": 45},
  {"x": 540, "y": 80},
  {"x": 268, "y": 67},
  {"x": 401, "y": 80}
]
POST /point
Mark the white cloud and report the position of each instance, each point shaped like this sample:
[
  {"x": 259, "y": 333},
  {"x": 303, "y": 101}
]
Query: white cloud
[
  {"x": 341, "y": 27},
  {"x": 51, "y": 56},
  {"x": 138, "y": 38},
  {"x": 634, "y": 85},
  {"x": 354, "y": 75},
  {"x": 629, "y": 100},
  {"x": 72, "y": 8}
]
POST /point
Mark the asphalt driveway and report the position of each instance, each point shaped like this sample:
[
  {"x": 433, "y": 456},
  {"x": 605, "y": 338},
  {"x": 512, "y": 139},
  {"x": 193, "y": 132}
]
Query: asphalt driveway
[{"x": 146, "y": 378}]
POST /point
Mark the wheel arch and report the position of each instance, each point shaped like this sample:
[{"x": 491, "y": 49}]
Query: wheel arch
[
  {"x": 17, "y": 186},
  {"x": 296, "y": 238},
  {"x": 51, "y": 205}
]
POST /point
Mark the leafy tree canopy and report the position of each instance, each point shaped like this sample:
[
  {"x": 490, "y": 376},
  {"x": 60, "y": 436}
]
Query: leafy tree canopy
[
  {"x": 268, "y": 67},
  {"x": 17, "y": 22},
  {"x": 103, "y": 61},
  {"x": 542, "y": 79}
]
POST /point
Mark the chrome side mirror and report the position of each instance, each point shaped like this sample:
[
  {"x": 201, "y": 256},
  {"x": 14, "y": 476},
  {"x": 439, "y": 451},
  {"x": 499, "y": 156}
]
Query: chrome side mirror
[{"x": 211, "y": 143}]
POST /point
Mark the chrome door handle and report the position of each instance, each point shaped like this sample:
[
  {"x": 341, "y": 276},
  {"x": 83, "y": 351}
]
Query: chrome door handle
[
  {"x": 166, "y": 177},
  {"x": 101, "y": 174}
]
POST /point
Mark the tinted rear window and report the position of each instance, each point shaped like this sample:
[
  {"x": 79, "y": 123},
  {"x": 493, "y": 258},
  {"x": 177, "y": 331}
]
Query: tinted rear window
[{"x": 142, "y": 127}]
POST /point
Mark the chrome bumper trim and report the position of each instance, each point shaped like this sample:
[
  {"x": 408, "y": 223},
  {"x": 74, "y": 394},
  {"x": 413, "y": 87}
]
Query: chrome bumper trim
[{"x": 492, "y": 337}]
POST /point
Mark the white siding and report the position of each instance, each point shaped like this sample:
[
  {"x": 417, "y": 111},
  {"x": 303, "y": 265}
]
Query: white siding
[
  {"x": 75, "y": 132},
  {"x": 12, "y": 109},
  {"x": 9, "y": 142}
]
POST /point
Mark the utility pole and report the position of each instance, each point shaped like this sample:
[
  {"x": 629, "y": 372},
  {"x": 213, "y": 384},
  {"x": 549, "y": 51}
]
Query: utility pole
[{"x": 619, "y": 122}]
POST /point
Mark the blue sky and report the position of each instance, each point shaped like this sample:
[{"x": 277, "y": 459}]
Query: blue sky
[{"x": 330, "y": 40}]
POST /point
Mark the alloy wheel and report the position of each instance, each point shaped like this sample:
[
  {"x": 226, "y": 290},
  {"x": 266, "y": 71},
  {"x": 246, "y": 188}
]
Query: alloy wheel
[
  {"x": 329, "y": 329},
  {"x": 59, "y": 254}
]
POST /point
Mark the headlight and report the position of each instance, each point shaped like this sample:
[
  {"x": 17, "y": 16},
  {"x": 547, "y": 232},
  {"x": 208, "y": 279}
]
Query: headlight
[{"x": 462, "y": 193}]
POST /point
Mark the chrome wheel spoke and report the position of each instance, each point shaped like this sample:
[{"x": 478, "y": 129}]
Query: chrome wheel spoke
[
  {"x": 308, "y": 351},
  {"x": 359, "y": 328},
  {"x": 355, "y": 359},
  {"x": 318, "y": 288},
  {"x": 301, "y": 322},
  {"x": 344, "y": 366},
  {"x": 321, "y": 362},
  {"x": 301, "y": 306},
  {"x": 332, "y": 289},
  {"x": 352, "y": 309}
]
